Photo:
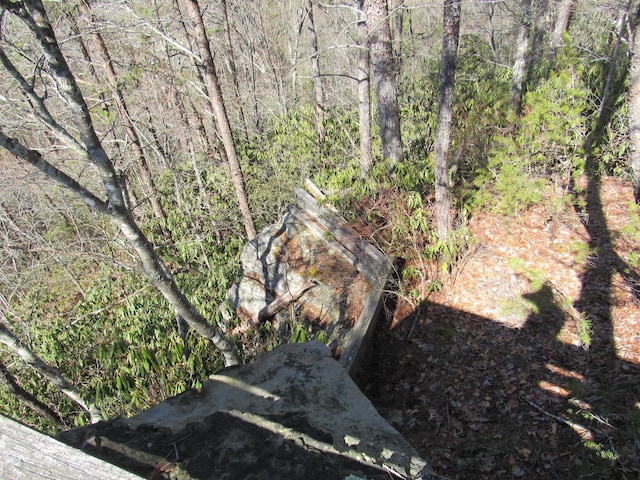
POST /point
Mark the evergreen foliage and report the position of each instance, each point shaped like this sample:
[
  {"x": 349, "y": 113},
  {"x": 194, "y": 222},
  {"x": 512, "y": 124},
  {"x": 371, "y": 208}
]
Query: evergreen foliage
[{"x": 544, "y": 147}]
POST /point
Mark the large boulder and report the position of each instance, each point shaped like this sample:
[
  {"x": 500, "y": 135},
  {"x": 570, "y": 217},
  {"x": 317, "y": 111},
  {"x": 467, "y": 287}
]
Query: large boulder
[
  {"x": 338, "y": 276},
  {"x": 293, "y": 413}
]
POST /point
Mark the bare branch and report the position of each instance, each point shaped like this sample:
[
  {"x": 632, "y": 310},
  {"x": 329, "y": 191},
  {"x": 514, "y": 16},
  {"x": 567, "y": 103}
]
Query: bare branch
[
  {"x": 34, "y": 158},
  {"x": 174, "y": 43},
  {"x": 33, "y": 14},
  {"x": 37, "y": 103}
]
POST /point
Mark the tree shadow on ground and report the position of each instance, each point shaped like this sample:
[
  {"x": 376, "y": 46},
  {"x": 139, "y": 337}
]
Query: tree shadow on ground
[{"x": 481, "y": 400}]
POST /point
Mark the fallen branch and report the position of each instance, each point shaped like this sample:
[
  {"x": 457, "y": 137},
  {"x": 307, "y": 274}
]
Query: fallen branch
[
  {"x": 273, "y": 308},
  {"x": 281, "y": 302},
  {"x": 581, "y": 430}
]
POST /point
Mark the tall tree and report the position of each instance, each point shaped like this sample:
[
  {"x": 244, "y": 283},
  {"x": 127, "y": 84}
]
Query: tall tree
[
  {"x": 385, "y": 78},
  {"x": 231, "y": 62},
  {"x": 220, "y": 113},
  {"x": 622, "y": 28},
  {"x": 520, "y": 63},
  {"x": 195, "y": 118},
  {"x": 562, "y": 22},
  {"x": 450, "y": 39},
  {"x": 364, "y": 92},
  {"x": 125, "y": 116},
  {"x": 397, "y": 23},
  {"x": 315, "y": 71},
  {"x": 89, "y": 149},
  {"x": 540, "y": 25},
  {"x": 634, "y": 102}
]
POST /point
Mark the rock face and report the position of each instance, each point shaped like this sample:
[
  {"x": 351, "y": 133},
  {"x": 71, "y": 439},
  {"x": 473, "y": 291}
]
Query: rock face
[
  {"x": 315, "y": 251},
  {"x": 293, "y": 413}
]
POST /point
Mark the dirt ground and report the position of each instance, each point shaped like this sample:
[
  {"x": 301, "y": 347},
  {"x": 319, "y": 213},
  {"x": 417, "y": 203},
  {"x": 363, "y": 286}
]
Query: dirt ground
[{"x": 526, "y": 364}]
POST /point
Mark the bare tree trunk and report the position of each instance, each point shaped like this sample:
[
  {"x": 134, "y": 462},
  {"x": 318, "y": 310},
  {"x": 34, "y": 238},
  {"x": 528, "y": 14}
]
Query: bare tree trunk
[
  {"x": 252, "y": 60},
  {"x": 231, "y": 62},
  {"x": 89, "y": 148},
  {"x": 364, "y": 93},
  {"x": 186, "y": 141},
  {"x": 220, "y": 113},
  {"x": 562, "y": 22},
  {"x": 520, "y": 63},
  {"x": 8, "y": 338},
  {"x": 78, "y": 37},
  {"x": 3, "y": 23},
  {"x": 450, "y": 38},
  {"x": 206, "y": 146},
  {"x": 123, "y": 109},
  {"x": 166, "y": 158},
  {"x": 294, "y": 51},
  {"x": 273, "y": 60},
  {"x": 491, "y": 30},
  {"x": 385, "y": 78},
  {"x": 397, "y": 19},
  {"x": 540, "y": 26},
  {"x": 315, "y": 70},
  {"x": 634, "y": 104},
  {"x": 622, "y": 22},
  {"x": 205, "y": 130},
  {"x": 254, "y": 87}
]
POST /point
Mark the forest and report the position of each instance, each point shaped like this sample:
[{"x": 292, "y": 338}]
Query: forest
[{"x": 145, "y": 142}]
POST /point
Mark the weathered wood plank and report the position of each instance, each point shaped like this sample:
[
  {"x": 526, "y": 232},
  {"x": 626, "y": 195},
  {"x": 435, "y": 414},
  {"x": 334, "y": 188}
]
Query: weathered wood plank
[{"x": 30, "y": 455}]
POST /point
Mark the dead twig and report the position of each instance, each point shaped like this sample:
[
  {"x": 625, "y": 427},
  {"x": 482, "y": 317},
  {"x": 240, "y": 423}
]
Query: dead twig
[{"x": 581, "y": 430}]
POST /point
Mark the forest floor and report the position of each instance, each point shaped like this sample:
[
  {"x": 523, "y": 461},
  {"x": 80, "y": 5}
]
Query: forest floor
[{"x": 526, "y": 364}]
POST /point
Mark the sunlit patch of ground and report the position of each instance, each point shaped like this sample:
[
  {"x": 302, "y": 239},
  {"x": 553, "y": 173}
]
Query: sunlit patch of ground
[{"x": 528, "y": 364}]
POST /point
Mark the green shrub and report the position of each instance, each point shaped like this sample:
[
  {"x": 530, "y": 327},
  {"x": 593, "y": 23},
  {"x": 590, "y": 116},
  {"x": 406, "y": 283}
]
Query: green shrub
[{"x": 545, "y": 147}]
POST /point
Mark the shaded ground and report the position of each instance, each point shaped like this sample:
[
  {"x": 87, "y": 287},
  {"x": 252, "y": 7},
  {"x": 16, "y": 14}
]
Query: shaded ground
[{"x": 527, "y": 363}]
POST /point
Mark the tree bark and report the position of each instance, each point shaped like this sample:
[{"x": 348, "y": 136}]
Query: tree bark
[
  {"x": 397, "y": 19},
  {"x": 450, "y": 38},
  {"x": 123, "y": 110},
  {"x": 231, "y": 62},
  {"x": 3, "y": 23},
  {"x": 520, "y": 63},
  {"x": 612, "y": 63},
  {"x": 8, "y": 338},
  {"x": 385, "y": 78},
  {"x": 33, "y": 14},
  {"x": 561, "y": 25},
  {"x": 364, "y": 93},
  {"x": 220, "y": 114},
  {"x": 634, "y": 104},
  {"x": 539, "y": 26},
  {"x": 315, "y": 71},
  {"x": 208, "y": 140}
]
